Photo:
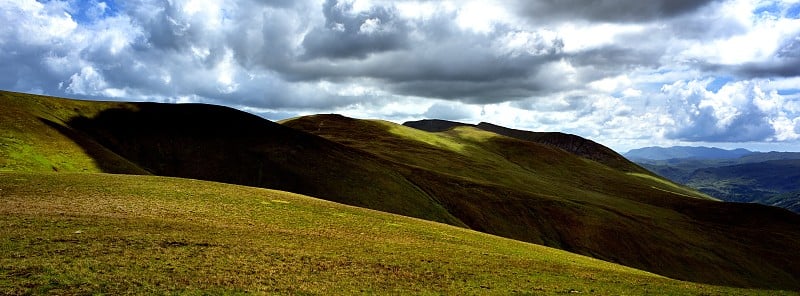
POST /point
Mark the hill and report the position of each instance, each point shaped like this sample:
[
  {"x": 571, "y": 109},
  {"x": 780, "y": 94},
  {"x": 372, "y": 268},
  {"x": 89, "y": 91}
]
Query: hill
[
  {"x": 201, "y": 142},
  {"x": 677, "y": 152},
  {"x": 88, "y": 233},
  {"x": 434, "y": 125},
  {"x": 559, "y": 199},
  {"x": 465, "y": 176},
  {"x": 570, "y": 143}
]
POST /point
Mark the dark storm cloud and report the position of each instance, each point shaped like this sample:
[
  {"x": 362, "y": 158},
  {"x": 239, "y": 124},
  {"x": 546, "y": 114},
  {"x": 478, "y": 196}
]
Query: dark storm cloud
[
  {"x": 471, "y": 92},
  {"x": 731, "y": 114},
  {"x": 443, "y": 61},
  {"x": 612, "y": 60},
  {"x": 607, "y": 10},
  {"x": 781, "y": 68},
  {"x": 786, "y": 63},
  {"x": 750, "y": 126},
  {"x": 24, "y": 71},
  {"x": 355, "y": 35}
]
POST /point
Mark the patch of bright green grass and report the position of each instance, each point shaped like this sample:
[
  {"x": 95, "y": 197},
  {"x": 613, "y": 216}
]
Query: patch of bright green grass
[
  {"x": 111, "y": 234},
  {"x": 672, "y": 187},
  {"x": 29, "y": 140},
  {"x": 421, "y": 136}
]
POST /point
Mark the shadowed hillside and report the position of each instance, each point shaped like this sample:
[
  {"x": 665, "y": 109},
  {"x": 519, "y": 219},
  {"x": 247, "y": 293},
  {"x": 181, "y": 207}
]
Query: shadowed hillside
[
  {"x": 33, "y": 137},
  {"x": 542, "y": 194},
  {"x": 211, "y": 143},
  {"x": 434, "y": 125},
  {"x": 465, "y": 176}
]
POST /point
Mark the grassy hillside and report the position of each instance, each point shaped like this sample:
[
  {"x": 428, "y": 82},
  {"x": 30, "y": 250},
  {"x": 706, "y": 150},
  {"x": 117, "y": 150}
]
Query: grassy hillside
[
  {"x": 201, "y": 142},
  {"x": 542, "y": 194},
  {"x": 114, "y": 234},
  {"x": 567, "y": 142},
  {"x": 466, "y": 177},
  {"x": 33, "y": 136},
  {"x": 570, "y": 143}
]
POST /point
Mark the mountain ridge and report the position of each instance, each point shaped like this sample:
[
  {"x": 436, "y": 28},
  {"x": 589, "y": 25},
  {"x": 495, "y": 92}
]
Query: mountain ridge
[
  {"x": 767, "y": 178},
  {"x": 685, "y": 152},
  {"x": 568, "y": 142}
]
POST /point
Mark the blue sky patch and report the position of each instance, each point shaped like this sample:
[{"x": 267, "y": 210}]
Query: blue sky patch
[
  {"x": 788, "y": 92},
  {"x": 90, "y": 11},
  {"x": 793, "y": 11},
  {"x": 772, "y": 9},
  {"x": 718, "y": 83}
]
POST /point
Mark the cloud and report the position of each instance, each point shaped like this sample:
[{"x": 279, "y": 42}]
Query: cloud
[
  {"x": 448, "y": 111},
  {"x": 349, "y": 34},
  {"x": 738, "y": 112},
  {"x": 607, "y": 10},
  {"x": 445, "y": 61},
  {"x": 712, "y": 70}
]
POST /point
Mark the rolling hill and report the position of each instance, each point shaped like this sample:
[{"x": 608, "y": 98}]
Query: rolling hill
[
  {"x": 201, "y": 142},
  {"x": 464, "y": 176},
  {"x": 570, "y": 143},
  {"x": 89, "y": 233},
  {"x": 559, "y": 199}
]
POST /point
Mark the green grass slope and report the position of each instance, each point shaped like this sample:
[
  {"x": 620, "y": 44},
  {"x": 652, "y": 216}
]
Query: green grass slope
[
  {"x": 542, "y": 194},
  {"x": 201, "y": 142},
  {"x": 34, "y": 136},
  {"x": 570, "y": 143},
  {"x": 89, "y": 233}
]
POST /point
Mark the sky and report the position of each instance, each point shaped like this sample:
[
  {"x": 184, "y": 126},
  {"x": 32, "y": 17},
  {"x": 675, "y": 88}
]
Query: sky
[{"x": 625, "y": 73}]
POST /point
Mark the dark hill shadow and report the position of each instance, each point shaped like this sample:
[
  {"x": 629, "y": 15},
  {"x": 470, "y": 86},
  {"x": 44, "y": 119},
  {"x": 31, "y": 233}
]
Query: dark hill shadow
[
  {"x": 106, "y": 160},
  {"x": 435, "y": 125},
  {"x": 221, "y": 144}
]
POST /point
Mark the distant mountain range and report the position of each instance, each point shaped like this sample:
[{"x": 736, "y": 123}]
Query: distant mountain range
[
  {"x": 684, "y": 152},
  {"x": 740, "y": 175}
]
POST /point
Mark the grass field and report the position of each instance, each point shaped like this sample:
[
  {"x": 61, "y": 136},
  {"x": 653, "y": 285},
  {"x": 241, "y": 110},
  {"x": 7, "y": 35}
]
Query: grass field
[{"x": 71, "y": 233}]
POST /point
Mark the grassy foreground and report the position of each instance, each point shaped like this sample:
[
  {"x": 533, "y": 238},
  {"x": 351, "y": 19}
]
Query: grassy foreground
[{"x": 77, "y": 233}]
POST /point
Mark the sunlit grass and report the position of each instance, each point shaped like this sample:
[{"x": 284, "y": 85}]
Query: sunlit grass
[
  {"x": 97, "y": 233},
  {"x": 422, "y": 136},
  {"x": 28, "y": 143},
  {"x": 672, "y": 187}
]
